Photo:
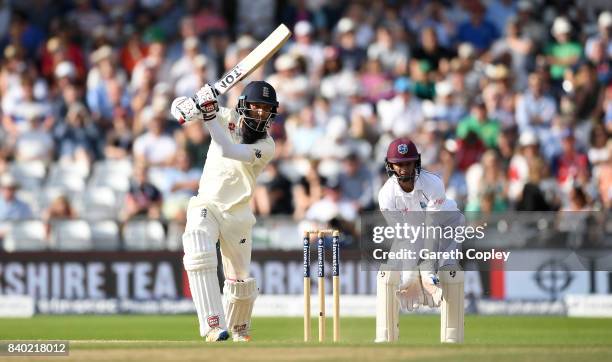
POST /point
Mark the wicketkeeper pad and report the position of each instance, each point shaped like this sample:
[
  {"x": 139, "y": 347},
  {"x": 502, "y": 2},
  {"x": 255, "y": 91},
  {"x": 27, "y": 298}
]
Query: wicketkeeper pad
[{"x": 239, "y": 298}]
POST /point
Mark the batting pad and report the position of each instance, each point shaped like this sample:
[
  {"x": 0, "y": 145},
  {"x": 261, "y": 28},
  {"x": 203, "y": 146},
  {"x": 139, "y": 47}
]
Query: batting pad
[
  {"x": 452, "y": 309},
  {"x": 200, "y": 262},
  {"x": 387, "y": 306},
  {"x": 239, "y": 298}
]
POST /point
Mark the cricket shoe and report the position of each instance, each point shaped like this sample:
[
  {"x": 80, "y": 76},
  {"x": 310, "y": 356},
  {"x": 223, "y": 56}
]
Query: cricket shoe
[
  {"x": 241, "y": 338},
  {"x": 216, "y": 335}
]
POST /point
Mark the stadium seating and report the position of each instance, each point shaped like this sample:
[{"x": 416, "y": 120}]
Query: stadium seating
[
  {"x": 105, "y": 235},
  {"x": 99, "y": 203},
  {"x": 144, "y": 235},
  {"x": 71, "y": 235},
  {"x": 30, "y": 174},
  {"x": 28, "y": 235}
]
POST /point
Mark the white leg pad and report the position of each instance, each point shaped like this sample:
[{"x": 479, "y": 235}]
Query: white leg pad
[
  {"x": 200, "y": 262},
  {"x": 239, "y": 298},
  {"x": 387, "y": 306},
  {"x": 452, "y": 309}
]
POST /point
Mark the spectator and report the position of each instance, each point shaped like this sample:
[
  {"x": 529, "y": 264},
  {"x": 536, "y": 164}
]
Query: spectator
[
  {"x": 307, "y": 47},
  {"x": 196, "y": 141},
  {"x": 535, "y": 109},
  {"x": 77, "y": 137},
  {"x": 119, "y": 138},
  {"x": 532, "y": 196},
  {"x": 375, "y": 84},
  {"x": 487, "y": 185},
  {"x": 404, "y": 111},
  {"x": 177, "y": 183},
  {"x": 185, "y": 66},
  {"x": 529, "y": 22},
  {"x": 23, "y": 34},
  {"x": 337, "y": 81},
  {"x": 588, "y": 93},
  {"x": 59, "y": 209},
  {"x": 387, "y": 50},
  {"x": 105, "y": 86},
  {"x": 22, "y": 105},
  {"x": 499, "y": 12},
  {"x": 189, "y": 84},
  {"x": 431, "y": 52},
  {"x": 578, "y": 200},
  {"x": 12, "y": 208},
  {"x": 604, "y": 35},
  {"x": 85, "y": 17},
  {"x": 477, "y": 31},
  {"x": 603, "y": 63},
  {"x": 452, "y": 176},
  {"x": 518, "y": 47},
  {"x": 598, "y": 152},
  {"x": 307, "y": 191},
  {"x": 155, "y": 148},
  {"x": 302, "y": 132},
  {"x": 291, "y": 83},
  {"x": 333, "y": 209},
  {"x": 479, "y": 123},
  {"x": 446, "y": 111},
  {"x": 351, "y": 54},
  {"x": 273, "y": 193},
  {"x": 604, "y": 179},
  {"x": 143, "y": 198},
  {"x": 133, "y": 50},
  {"x": 570, "y": 164},
  {"x": 518, "y": 170},
  {"x": 36, "y": 143},
  {"x": 356, "y": 182},
  {"x": 563, "y": 52}
]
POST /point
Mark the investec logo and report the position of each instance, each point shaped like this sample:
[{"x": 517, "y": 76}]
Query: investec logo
[{"x": 230, "y": 78}]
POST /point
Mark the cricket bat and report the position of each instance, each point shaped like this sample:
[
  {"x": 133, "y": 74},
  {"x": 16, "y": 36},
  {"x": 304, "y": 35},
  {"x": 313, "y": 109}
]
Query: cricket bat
[{"x": 260, "y": 54}]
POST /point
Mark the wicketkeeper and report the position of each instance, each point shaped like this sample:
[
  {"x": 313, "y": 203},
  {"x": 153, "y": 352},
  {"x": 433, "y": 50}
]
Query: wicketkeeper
[
  {"x": 410, "y": 194},
  {"x": 240, "y": 148}
]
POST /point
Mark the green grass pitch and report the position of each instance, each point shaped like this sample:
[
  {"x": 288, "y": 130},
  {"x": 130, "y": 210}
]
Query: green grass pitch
[{"x": 507, "y": 338}]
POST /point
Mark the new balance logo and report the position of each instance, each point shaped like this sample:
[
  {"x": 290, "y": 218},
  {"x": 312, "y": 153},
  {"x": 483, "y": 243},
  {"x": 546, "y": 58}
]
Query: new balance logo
[
  {"x": 257, "y": 153},
  {"x": 242, "y": 241}
]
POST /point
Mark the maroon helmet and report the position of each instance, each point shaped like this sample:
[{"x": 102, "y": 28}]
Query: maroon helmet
[{"x": 402, "y": 150}]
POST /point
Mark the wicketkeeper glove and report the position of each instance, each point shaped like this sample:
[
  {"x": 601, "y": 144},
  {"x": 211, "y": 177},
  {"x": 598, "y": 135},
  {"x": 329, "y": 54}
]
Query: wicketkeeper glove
[
  {"x": 431, "y": 289},
  {"x": 206, "y": 100}
]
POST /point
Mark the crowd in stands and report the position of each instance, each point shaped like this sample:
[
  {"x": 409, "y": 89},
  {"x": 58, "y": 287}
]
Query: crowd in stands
[{"x": 510, "y": 102}]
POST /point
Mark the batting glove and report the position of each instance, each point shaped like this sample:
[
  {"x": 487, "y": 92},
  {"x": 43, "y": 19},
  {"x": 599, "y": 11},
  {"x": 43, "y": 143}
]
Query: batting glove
[
  {"x": 206, "y": 100},
  {"x": 185, "y": 109}
]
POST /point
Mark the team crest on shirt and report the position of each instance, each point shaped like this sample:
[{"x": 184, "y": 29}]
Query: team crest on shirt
[
  {"x": 257, "y": 153},
  {"x": 423, "y": 205},
  {"x": 402, "y": 149},
  {"x": 203, "y": 213},
  {"x": 231, "y": 126}
]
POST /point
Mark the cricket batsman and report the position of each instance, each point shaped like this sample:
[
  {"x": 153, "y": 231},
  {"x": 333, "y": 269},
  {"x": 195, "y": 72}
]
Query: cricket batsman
[
  {"x": 240, "y": 148},
  {"x": 410, "y": 191}
]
